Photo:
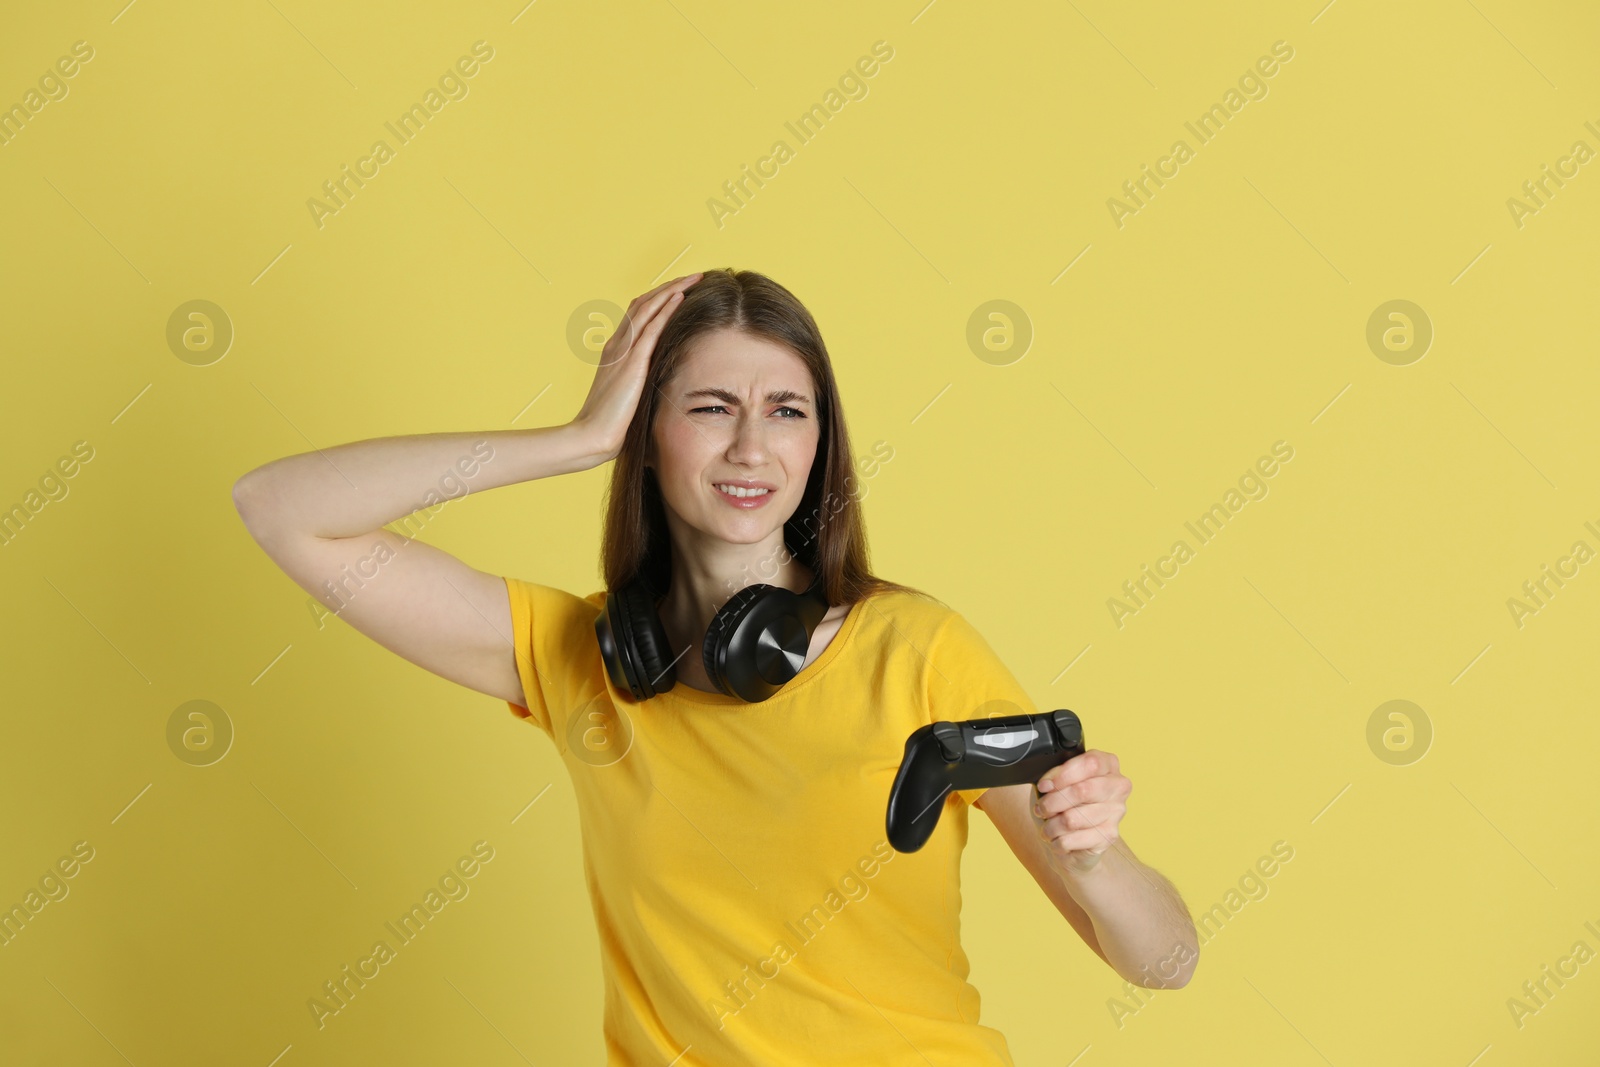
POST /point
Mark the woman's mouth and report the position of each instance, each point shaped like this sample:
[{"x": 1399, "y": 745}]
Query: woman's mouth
[{"x": 739, "y": 497}]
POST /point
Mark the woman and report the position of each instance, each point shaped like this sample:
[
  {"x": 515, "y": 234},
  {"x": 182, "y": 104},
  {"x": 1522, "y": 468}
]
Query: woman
[{"x": 748, "y": 905}]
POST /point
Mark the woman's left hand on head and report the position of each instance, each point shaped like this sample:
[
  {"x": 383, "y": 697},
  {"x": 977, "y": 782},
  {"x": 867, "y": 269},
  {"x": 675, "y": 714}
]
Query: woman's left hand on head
[{"x": 1078, "y": 807}]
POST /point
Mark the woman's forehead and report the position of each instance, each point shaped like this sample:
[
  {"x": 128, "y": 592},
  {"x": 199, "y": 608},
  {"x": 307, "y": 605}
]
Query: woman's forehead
[{"x": 742, "y": 364}]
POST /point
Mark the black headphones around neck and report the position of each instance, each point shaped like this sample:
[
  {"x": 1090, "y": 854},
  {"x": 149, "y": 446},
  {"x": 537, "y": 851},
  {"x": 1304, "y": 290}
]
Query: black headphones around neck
[{"x": 755, "y": 644}]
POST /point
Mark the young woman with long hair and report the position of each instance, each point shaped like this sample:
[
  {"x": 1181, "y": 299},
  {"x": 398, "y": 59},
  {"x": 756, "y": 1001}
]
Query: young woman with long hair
[{"x": 749, "y": 908}]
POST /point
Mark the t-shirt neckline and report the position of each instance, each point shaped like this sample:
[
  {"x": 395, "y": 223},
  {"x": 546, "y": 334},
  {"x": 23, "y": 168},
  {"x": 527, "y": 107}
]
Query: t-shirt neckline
[{"x": 690, "y": 695}]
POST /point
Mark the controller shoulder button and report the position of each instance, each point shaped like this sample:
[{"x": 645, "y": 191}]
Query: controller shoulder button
[{"x": 948, "y": 735}]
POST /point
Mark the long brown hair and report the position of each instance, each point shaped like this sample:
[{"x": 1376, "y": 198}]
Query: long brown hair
[{"x": 827, "y": 532}]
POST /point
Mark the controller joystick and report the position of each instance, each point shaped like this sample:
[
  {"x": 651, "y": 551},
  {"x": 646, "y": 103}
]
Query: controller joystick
[{"x": 975, "y": 754}]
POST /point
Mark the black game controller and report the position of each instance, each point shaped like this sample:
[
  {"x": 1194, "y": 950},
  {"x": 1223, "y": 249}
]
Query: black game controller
[{"x": 975, "y": 754}]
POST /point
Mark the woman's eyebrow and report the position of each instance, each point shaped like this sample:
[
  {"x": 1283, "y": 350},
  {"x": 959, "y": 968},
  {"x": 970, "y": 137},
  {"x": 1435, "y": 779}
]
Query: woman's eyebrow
[{"x": 777, "y": 396}]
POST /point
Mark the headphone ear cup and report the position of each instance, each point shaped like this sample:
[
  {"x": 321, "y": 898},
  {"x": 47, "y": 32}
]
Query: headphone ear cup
[
  {"x": 644, "y": 643},
  {"x": 714, "y": 651},
  {"x": 758, "y": 642}
]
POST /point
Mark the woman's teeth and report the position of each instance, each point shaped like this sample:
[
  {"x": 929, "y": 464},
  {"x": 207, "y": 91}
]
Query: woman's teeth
[{"x": 734, "y": 490}]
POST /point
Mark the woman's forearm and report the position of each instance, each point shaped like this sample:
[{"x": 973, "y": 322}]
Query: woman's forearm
[
  {"x": 1140, "y": 921},
  {"x": 352, "y": 489}
]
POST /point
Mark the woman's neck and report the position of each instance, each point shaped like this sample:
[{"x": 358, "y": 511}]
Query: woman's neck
[
  {"x": 695, "y": 596},
  {"x": 691, "y": 604}
]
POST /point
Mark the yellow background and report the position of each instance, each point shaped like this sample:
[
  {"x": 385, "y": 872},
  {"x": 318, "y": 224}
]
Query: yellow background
[{"x": 1228, "y": 314}]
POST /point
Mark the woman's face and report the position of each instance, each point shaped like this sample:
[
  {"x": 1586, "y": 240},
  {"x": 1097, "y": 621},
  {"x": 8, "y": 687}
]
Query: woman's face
[{"x": 739, "y": 408}]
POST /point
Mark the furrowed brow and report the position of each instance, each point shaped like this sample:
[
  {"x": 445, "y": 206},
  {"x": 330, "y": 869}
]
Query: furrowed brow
[{"x": 777, "y": 396}]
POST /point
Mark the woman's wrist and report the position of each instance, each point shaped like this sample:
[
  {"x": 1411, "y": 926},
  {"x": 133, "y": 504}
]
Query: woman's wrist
[{"x": 586, "y": 442}]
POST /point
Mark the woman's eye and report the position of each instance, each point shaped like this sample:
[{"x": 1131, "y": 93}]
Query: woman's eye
[{"x": 798, "y": 414}]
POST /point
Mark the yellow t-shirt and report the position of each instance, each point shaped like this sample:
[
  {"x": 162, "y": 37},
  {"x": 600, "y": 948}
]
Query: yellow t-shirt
[{"x": 749, "y": 907}]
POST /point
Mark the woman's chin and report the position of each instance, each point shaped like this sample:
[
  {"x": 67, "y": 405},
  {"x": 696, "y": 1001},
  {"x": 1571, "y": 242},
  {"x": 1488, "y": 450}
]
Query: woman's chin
[{"x": 738, "y": 529}]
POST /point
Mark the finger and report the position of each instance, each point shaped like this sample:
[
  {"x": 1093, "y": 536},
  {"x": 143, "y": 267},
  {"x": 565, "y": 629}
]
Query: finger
[
  {"x": 647, "y": 340},
  {"x": 1084, "y": 765},
  {"x": 680, "y": 283},
  {"x": 637, "y": 322},
  {"x": 1089, "y": 816},
  {"x": 652, "y": 302},
  {"x": 1093, "y": 839},
  {"x": 1088, "y": 791},
  {"x": 649, "y": 293}
]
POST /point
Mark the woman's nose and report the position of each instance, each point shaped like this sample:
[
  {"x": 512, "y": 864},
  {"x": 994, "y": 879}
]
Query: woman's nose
[{"x": 749, "y": 444}]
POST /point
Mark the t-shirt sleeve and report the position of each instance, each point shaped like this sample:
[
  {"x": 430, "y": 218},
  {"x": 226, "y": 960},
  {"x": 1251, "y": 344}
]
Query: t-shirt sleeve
[
  {"x": 554, "y": 640},
  {"x": 967, "y": 680}
]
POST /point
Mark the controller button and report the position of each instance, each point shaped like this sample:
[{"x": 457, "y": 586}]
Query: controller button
[{"x": 948, "y": 734}]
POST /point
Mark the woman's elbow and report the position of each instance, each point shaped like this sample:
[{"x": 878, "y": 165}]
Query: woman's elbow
[
  {"x": 1172, "y": 971},
  {"x": 254, "y": 503},
  {"x": 244, "y": 501}
]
